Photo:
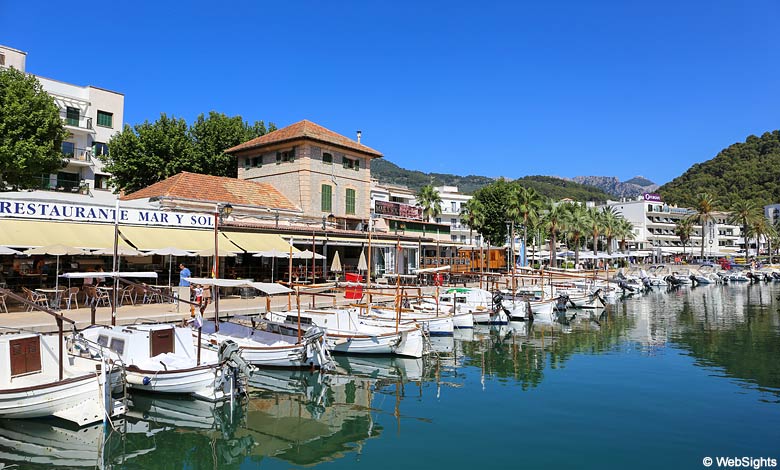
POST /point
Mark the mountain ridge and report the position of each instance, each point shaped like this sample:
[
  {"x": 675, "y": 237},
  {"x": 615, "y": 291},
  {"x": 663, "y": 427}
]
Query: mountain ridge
[{"x": 598, "y": 188}]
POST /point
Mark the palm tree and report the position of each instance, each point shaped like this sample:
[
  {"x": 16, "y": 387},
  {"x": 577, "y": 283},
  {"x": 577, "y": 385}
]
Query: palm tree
[
  {"x": 684, "y": 230},
  {"x": 576, "y": 223},
  {"x": 744, "y": 214},
  {"x": 595, "y": 226},
  {"x": 528, "y": 205},
  {"x": 625, "y": 231},
  {"x": 553, "y": 221},
  {"x": 705, "y": 206},
  {"x": 760, "y": 228},
  {"x": 430, "y": 201},
  {"x": 473, "y": 214},
  {"x": 611, "y": 220}
]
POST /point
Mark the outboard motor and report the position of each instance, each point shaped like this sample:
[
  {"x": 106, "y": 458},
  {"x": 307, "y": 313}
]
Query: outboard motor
[
  {"x": 775, "y": 276},
  {"x": 562, "y": 303},
  {"x": 694, "y": 281},
  {"x": 625, "y": 287},
  {"x": 235, "y": 369},
  {"x": 317, "y": 355}
]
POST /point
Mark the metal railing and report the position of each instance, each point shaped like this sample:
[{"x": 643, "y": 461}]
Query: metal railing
[{"x": 82, "y": 122}]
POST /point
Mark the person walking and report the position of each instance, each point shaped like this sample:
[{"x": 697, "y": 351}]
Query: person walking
[{"x": 184, "y": 284}]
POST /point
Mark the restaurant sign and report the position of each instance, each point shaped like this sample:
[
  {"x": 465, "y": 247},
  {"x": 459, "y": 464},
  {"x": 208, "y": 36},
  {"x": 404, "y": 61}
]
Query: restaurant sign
[
  {"x": 652, "y": 197},
  {"x": 395, "y": 209},
  {"x": 101, "y": 214}
]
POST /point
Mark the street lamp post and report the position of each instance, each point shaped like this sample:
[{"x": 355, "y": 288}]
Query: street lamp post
[{"x": 221, "y": 211}]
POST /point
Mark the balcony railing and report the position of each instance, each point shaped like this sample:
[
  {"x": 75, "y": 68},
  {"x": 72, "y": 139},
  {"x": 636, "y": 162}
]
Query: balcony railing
[
  {"x": 80, "y": 154},
  {"x": 82, "y": 122},
  {"x": 44, "y": 182}
]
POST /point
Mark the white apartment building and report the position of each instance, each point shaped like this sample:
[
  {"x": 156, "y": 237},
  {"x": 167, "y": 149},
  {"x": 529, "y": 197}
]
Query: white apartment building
[
  {"x": 655, "y": 223},
  {"x": 452, "y": 202},
  {"x": 91, "y": 115}
]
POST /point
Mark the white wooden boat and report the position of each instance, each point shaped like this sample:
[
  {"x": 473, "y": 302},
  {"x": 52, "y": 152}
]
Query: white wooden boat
[
  {"x": 263, "y": 348},
  {"x": 163, "y": 358},
  {"x": 431, "y": 324},
  {"x": 39, "y": 378},
  {"x": 347, "y": 333},
  {"x": 31, "y": 385}
]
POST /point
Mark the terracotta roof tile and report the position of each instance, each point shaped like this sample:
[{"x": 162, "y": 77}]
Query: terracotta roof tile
[
  {"x": 217, "y": 189},
  {"x": 304, "y": 129}
]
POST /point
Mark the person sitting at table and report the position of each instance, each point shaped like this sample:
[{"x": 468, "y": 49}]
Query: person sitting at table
[
  {"x": 101, "y": 280},
  {"x": 89, "y": 281}
]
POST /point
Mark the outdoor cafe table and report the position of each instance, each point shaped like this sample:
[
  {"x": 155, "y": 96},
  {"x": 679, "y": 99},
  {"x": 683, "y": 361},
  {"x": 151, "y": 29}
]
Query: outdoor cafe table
[{"x": 53, "y": 296}]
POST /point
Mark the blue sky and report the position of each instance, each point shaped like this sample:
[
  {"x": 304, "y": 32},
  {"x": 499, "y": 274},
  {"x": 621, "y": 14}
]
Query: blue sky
[{"x": 564, "y": 88}]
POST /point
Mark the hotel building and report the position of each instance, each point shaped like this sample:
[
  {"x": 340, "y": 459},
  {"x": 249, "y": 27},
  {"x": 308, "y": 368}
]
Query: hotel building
[{"x": 91, "y": 115}]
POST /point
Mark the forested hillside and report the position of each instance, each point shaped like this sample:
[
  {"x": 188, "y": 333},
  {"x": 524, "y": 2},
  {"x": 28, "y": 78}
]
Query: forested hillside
[
  {"x": 747, "y": 170},
  {"x": 556, "y": 188}
]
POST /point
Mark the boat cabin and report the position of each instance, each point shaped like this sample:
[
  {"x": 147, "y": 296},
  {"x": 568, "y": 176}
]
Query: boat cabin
[
  {"x": 26, "y": 355},
  {"x": 466, "y": 296},
  {"x": 138, "y": 342}
]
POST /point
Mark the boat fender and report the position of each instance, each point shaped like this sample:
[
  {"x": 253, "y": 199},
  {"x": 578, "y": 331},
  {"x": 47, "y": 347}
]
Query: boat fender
[{"x": 146, "y": 380}]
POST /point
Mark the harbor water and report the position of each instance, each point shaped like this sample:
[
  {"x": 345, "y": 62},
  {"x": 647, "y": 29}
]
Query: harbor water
[{"x": 662, "y": 380}]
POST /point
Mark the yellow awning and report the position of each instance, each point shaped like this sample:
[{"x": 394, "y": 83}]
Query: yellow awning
[
  {"x": 32, "y": 233},
  {"x": 253, "y": 242},
  {"x": 151, "y": 238}
]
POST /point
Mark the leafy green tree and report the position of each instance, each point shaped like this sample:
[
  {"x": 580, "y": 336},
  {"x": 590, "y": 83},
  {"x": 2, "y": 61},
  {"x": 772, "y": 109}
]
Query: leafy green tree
[
  {"x": 493, "y": 198},
  {"x": 747, "y": 170},
  {"x": 31, "y": 131},
  {"x": 744, "y": 213},
  {"x": 212, "y": 135},
  {"x": 429, "y": 200},
  {"x": 150, "y": 152}
]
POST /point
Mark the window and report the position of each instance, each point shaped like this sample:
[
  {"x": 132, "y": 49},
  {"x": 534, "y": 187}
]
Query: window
[
  {"x": 327, "y": 198},
  {"x": 105, "y": 119},
  {"x": 69, "y": 149},
  {"x": 72, "y": 116},
  {"x": 99, "y": 148},
  {"x": 454, "y": 206},
  {"x": 327, "y": 159},
  {"x": 438, "y": 220},
  {"x": 257, "y": 162},
  {"x": 247, "y": 163},
  {"x": 350, "y": 201},
  {"x": 454, "y": 222},
  {"x": 117, "y": 345},
  {"x": 351, "y": 164},
  {"x": 287, "y": 156}
]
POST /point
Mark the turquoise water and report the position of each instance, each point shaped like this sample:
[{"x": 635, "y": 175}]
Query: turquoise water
[{"x": 659, "y": 381}]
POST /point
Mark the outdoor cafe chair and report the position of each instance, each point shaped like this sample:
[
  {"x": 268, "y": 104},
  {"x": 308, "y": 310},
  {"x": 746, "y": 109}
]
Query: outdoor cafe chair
[
  {"x": 2, "y": 302},
  {"x": 129, "y": 294},
  {"x": 73, "y": 297},
  {"x": 36, "y": 298},
  {"x": 101, "y": 296}
]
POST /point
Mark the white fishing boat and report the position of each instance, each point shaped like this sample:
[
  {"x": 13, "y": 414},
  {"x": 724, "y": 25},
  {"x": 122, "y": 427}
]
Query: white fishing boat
[
  {"x": 431, "y": 324},
  {"x": 163, "y": 358},
  {"x": 347, "y": 333},
  {"x": 477, "y": 302},
  {"x": 40, "y": 378},
  {"x": 263, "y": 348}
]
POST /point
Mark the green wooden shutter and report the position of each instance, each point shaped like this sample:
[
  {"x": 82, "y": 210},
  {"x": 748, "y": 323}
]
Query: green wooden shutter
[{"x": 327, "y": 198}]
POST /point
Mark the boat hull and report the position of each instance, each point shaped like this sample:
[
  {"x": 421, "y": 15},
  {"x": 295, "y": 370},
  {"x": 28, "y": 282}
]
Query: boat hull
[
  {"x": 77, "y": 399},
  {"x": 200, "y": 381}
]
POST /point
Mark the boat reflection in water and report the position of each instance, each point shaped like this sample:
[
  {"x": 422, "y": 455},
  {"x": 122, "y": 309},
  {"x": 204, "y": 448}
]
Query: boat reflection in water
[{"x": 54, "y": 443}]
